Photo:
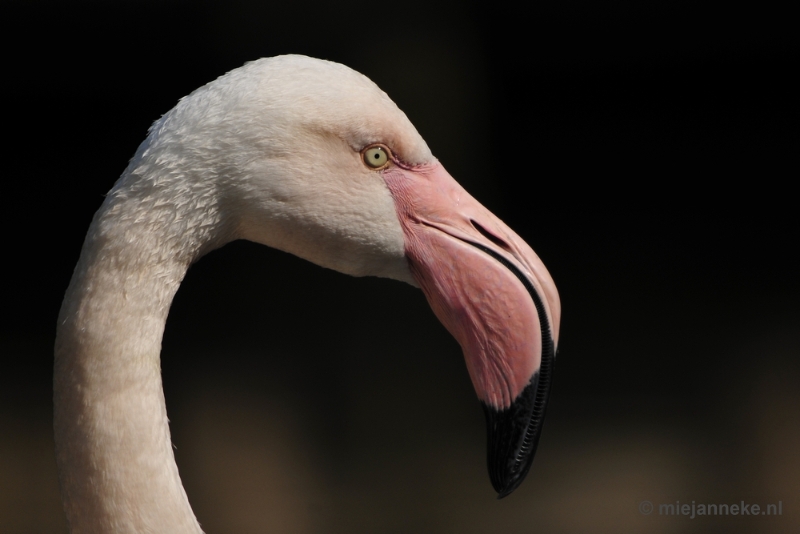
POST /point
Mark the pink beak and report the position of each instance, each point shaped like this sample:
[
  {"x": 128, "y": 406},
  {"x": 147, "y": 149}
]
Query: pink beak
[{"x": 495, "y": 296}]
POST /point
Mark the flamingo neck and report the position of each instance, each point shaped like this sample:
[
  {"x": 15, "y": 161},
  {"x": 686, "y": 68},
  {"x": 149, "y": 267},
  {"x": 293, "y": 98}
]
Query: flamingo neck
[{"x": 116, "y": 465}]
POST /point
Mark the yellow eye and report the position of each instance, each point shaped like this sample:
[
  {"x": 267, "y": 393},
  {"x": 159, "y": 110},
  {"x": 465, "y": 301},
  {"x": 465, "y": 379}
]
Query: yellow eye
[{"x": 375, "y": 156}]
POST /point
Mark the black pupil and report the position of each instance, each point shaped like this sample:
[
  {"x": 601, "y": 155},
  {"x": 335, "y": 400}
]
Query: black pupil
[{"x": 377, "y": 155}]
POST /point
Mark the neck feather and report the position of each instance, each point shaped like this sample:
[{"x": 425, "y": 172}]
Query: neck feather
[{"x": 116, "y": 464}]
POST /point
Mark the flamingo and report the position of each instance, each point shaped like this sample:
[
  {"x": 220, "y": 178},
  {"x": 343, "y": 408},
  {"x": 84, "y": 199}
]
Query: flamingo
[{"x": 312, "y": 158}]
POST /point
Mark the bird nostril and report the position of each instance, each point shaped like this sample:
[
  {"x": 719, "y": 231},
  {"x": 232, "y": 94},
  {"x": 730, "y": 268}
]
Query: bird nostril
[{"x": 491, "y": 237}]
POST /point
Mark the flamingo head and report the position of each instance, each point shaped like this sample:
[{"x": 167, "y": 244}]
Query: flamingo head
[{"x": 312, "y": 158}]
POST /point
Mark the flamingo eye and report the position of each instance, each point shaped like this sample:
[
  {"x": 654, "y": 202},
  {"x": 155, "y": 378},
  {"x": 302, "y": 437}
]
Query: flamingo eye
[{"x": 375, "y": 156}]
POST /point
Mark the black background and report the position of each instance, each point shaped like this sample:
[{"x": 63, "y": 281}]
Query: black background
[{"x": 646, "y": 151}]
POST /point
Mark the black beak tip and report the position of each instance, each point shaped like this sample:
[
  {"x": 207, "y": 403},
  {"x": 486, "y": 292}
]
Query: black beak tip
[
  {"x": 513, "y": 484},
  {"x": 513, "y": 434},
  {"x": 510, "y": 459}
]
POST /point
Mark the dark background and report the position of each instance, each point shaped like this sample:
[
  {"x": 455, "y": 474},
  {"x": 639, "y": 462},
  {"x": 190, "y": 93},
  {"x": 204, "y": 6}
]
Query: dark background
[{"x": 646, "y": 150}]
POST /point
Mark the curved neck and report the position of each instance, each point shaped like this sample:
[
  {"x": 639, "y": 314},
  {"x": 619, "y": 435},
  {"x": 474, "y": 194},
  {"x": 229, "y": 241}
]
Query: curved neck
[{"x": 115, "y": 460}]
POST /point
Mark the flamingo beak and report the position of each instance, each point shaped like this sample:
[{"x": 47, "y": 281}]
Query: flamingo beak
[{"x": 495, "y": 296}]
